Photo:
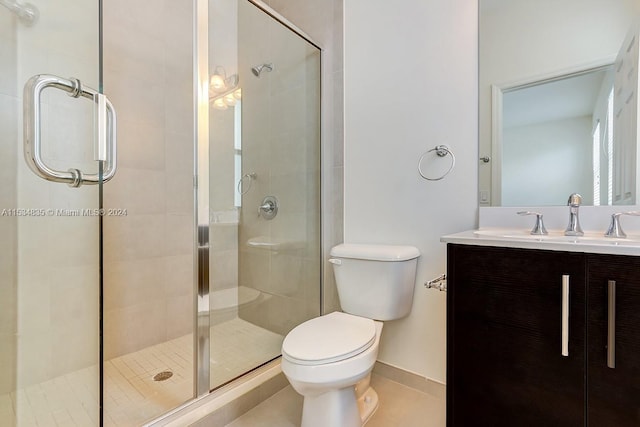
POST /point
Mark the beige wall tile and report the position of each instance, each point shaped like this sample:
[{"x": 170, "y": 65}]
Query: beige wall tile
[
  {"x": 149, "y": 253},
  {"x": 178, "y": 275},
  {"x": 134, "y": 237},
  {"x": 179, "y": 315},
  {"x": 8, "y": 358},
  {"x": 131, "y": 282},
  {"x": 141, "y": 146},
  {"x": 138, "y": 190},
  {"x": 133, "y": 327},
  {"x": 34, "y": 353},
  {"x": 288, "y": 131},
  {"x": 75, "y": 344},
  {"x": 8, "y": 225},
  {"x": 224, "y": 269}
]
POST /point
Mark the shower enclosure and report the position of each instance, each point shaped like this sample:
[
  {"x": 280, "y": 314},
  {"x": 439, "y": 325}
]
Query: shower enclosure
[{"x": 124, "y": 298}]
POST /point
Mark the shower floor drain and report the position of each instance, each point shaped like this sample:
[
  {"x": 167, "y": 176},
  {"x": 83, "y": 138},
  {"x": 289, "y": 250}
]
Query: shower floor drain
[{"x": 163, "y": 376}]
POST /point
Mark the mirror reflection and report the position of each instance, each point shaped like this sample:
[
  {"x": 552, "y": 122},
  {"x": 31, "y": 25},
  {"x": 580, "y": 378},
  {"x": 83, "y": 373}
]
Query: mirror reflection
[{"x": 558, "y": 107}]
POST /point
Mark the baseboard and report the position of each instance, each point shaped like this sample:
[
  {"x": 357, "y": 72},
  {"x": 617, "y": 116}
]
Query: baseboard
[
  {"x": 410, "y": 379},
  {"x": 255, "y": 394}
]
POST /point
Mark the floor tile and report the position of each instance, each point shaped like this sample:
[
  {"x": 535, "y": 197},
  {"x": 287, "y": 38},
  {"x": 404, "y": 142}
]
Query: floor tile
[
  {"x": 399, "y": 406},
  {"x": 132, "y": 396}
]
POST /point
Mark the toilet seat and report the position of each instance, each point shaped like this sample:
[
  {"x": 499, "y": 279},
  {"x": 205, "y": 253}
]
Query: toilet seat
[{"x": 327, "y": 339}]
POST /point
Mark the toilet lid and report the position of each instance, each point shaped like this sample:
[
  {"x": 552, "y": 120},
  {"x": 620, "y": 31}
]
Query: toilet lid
[{"x": 330, "y": 338}]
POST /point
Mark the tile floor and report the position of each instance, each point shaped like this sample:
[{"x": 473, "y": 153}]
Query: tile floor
[
  {"x": 399, "y": 406},
  {"x": 68, "y": 400},
  {"x": 238, "y": 346},
  {"x": 131, "y": 394}
]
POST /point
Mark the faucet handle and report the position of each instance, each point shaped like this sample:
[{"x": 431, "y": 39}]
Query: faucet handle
[
  {"x": 575, "y": 200},
  {"x": 615, "y": 230},
  {"x": 538, "y": 228}
]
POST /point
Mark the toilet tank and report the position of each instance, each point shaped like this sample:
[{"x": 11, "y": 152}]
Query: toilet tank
[{"x": 375, "y": 281}]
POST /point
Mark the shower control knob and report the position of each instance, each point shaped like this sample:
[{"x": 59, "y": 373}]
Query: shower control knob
[{"x": 269, "y": 207}]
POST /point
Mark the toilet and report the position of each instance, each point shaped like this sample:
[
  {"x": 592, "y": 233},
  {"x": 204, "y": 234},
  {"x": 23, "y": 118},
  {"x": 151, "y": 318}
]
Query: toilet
[{"x": 328, "y": 359}]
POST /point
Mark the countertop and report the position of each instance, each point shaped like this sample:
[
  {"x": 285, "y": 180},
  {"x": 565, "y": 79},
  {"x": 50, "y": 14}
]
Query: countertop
[{"x": 591, "y": 242}]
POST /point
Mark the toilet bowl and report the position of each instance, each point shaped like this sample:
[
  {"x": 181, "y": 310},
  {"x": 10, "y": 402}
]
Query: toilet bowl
[
  {"x": 333, "y": 373},
  {"x": 328, "y": 360}
]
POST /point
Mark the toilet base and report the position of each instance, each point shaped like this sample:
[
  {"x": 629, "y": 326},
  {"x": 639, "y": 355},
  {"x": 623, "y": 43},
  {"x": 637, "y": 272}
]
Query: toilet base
[
  {"x": 367, "y": 405},
  {"x": 339, "y": 408},
  {"x": 336, "y": 408}
]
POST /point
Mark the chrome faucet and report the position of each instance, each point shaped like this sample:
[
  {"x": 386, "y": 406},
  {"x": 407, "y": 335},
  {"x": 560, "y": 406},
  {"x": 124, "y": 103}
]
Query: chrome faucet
[
  {"x": 573, "y": 229},
  {"x": 615, "y": 230},
  {"x": 538, "y": 229}
]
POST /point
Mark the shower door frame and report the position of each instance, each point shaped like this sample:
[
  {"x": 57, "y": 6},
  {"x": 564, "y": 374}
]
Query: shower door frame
[{"x": 201, "y": 342}]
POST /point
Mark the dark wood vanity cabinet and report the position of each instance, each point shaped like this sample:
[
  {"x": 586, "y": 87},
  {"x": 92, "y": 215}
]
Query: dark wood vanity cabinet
[
  {"x": 505, "y": 361},
  {"x": 504, "y": 338},
  {"x": 613, "y": 392}
]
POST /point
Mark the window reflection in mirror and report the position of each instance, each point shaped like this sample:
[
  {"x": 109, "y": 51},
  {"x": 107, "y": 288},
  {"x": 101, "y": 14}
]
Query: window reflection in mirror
[{"x": 547, "y": 120}]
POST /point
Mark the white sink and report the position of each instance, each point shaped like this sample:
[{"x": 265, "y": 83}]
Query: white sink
[
  {"x": 505, "y": 233},
  {"x": 557, "y": 236}
]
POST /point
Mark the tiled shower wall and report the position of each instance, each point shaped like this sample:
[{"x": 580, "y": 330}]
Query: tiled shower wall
[
  {"x": 148, "y": 253},
  {"x": 223, "y": 251},
  {"x": 289, "y": 279},
  {"x": 322, "y": 20},
  {"x": 281, "y": 146},
  {"x": 223, "y": 233},
  {"x": 8, "y": 199},
  {"x": 49, "y": 265},
  {"x": 148, "y": 75}
]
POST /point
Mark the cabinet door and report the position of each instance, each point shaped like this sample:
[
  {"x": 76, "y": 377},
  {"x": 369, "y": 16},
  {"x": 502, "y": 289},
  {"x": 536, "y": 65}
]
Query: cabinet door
[
  {"x": 504, "y": 338},
  {"x": 613, "y": 397}
]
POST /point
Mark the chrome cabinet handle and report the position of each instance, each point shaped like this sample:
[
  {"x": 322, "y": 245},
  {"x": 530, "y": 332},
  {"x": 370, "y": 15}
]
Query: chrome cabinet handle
[
  {"x": 565, "y": 315},
  {"x": 611, "y": 325},
  {"x": 106, "y": 143}
]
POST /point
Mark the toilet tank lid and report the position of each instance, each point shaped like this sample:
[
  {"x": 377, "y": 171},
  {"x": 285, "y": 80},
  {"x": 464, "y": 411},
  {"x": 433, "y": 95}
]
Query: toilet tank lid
[{"x": 375, "y": 252}]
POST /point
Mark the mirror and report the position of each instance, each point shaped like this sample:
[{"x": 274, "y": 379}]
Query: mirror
[{"x": 557, "y": 101}]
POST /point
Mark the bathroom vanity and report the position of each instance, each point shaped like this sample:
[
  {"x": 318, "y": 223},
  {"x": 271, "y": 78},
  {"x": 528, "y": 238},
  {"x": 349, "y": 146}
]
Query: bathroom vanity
[{"x": 542, "y": 332}]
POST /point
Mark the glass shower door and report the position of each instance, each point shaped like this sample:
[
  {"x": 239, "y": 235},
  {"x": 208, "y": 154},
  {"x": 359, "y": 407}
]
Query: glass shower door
[
  {"x": 264, "y": 186},
  {"x": 50, "y": 231}
]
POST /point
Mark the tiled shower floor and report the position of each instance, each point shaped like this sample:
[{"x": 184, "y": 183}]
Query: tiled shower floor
[{"x": 131, "y": 395}]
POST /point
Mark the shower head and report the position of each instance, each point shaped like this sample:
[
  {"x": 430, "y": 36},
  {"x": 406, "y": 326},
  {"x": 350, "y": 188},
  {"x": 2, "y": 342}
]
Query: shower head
[{"x": 259, "y": 68}]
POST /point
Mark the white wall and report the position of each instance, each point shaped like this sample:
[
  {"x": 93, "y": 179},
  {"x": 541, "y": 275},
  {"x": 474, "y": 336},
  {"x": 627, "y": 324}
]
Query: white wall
[
  {"x": 542, "y": 163},
  {"x": 411, "y": 83}
]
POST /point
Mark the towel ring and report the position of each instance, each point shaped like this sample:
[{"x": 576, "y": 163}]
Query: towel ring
[
  {"x": 441, "y": 151},
  {"x": 251, "y": 177}
]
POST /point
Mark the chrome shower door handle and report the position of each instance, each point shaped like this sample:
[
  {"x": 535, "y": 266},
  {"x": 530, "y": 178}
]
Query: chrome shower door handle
[{"x": 105, "y": 127}]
